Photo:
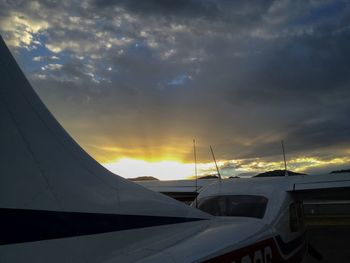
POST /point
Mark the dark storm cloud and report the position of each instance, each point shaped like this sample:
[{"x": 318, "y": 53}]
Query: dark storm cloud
[
  {"x": 209, "y": 9},
  {"x": 238, "y": 75},
  {"x": 165, "y": 7}
]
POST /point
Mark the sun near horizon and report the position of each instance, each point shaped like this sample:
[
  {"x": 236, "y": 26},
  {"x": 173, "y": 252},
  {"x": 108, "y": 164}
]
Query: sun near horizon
[
  {"x": 163, "y": 170},
  {"x": 160, "y": 169},
  {"x": 180, "y": 170}
]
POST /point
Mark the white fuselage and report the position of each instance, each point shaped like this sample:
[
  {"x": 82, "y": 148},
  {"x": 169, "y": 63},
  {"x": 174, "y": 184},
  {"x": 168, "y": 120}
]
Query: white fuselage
[{"x": 279, "y": 236}]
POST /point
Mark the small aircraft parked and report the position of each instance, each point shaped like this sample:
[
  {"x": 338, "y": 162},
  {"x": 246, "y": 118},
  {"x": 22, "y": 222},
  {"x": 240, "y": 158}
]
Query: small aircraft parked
[{"x": 274, "y": 203}]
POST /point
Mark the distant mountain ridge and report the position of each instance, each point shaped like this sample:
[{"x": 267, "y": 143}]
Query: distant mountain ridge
[
  {"x": 277, "y": 173},
  {"x": 144, "y": 178},
  {"x": 340, "y": 171},
  {"x": 208, "y": 177}
]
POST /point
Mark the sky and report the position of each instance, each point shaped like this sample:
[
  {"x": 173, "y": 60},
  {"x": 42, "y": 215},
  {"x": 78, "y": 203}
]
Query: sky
[{"x": 134, "y": 82}]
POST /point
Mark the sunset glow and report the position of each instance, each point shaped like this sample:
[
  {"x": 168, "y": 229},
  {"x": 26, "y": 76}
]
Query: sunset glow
[
  {"x": 174, "y": 170},
  {"x": 134, "y": 84},
  {"x": 164, "y": 170}
]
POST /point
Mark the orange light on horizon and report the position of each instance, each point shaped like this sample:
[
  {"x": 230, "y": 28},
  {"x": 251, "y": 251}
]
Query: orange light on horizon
[
  {"x": 177, "y": 170},
  {"x": 163, "y": 170}
]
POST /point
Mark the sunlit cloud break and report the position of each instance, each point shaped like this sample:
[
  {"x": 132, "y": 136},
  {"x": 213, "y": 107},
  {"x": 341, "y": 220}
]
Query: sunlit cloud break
[
  {"x": 175, "y": 170},
  {"x": 163, "y": 170}
]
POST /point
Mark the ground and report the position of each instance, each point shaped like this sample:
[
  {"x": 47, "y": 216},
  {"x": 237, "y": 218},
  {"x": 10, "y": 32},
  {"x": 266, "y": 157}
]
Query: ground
[{"x": 333, "y": 242}]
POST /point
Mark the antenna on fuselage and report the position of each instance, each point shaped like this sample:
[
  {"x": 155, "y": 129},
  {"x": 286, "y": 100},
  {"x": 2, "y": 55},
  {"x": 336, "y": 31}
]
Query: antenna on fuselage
[
  {"x": 195, "y": 169},
  {"x": 284, "y": 158},
  {"x": 217, "y": 168}
]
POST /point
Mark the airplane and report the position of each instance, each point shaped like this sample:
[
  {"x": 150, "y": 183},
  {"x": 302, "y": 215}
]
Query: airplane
[{"x": 57, "y": 204}]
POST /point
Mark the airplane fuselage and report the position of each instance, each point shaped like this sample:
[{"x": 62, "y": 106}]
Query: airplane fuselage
[{"x": 282, "y": 237}]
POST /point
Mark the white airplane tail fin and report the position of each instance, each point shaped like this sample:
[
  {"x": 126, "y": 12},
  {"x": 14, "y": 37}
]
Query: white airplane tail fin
[{"x": 42, "y": 169}]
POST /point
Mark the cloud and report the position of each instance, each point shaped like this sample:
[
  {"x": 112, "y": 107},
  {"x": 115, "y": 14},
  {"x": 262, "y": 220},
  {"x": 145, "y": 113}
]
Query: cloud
[
  {"x": 52, "y": 67},
  {"x": 152, "y": 76},
  {"x": 20, "y": 29},
  {"x": 165, "y": 7}
]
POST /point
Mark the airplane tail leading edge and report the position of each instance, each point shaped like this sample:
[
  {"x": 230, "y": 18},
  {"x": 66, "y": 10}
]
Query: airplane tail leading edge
[{"x": 44, "y": 169}]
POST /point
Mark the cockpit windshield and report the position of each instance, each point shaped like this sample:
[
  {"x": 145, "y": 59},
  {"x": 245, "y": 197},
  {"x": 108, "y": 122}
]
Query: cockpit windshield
[{"x": 234, "y": 205}]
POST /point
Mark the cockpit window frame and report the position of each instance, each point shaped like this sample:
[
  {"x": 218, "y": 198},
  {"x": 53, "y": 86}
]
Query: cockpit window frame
[
  {"x": 296, "y": 217},
  {"x": 222, "y": 208}
]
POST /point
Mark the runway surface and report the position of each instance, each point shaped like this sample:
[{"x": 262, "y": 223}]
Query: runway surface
[{"x": 333, "y": 242}]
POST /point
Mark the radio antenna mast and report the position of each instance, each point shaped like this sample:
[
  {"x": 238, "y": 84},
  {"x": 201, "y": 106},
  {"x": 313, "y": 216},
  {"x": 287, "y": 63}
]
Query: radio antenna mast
[
  {"x": 195, "y": 169},
  {"x": 284, "y": 158},
  {"x": 217, "y": 168}
]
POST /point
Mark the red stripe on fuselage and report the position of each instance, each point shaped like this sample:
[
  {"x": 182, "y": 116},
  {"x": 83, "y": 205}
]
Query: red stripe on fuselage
[{"x": 265, "y": 251}]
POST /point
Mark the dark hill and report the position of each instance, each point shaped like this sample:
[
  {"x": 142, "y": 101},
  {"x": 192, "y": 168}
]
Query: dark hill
[
  {"x": 340, "y": 171},
  {"x": 144, "y": 178},
  {"x": 277, "y": 173},
  {"x": 208, "y": 177}
]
